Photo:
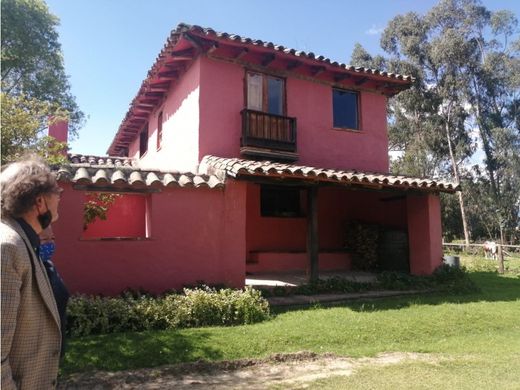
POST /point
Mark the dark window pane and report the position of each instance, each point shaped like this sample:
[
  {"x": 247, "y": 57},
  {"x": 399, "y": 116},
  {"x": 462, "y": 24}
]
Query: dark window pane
[
  {"x": 159, "y": 129},
  {"x": 345, "y": 108},
  {"x": 143, "y": 141},
  {"x": 280, "y": 202},
  {"x": 275, "y": 96}
]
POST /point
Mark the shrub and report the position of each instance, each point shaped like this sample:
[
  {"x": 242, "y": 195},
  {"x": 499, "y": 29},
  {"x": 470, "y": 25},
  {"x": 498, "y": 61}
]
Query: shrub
[
  {"x": 202, "y": 306},
  {"x": 444, "y": 278},
  {"x": 452, "y": 279}
]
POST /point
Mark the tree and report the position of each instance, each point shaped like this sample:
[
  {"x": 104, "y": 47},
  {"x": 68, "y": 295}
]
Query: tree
[
  {"x": 34, "y": 83},
  {"x": 466, "y": 69}
]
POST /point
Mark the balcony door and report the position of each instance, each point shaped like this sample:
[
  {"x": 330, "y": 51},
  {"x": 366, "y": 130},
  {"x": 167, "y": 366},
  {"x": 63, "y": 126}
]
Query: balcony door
[{"x": 265, "y": 93}]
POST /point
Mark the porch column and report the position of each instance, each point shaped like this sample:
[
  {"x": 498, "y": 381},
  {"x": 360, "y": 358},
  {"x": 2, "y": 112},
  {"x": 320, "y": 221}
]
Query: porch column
[
  {"x": 312, "y": 233},
  {"x": 424, "y": 233}
]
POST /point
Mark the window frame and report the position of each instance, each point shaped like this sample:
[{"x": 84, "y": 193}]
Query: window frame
[
  {"x": 265, "y": 91},
  {"x": 357, "y": 94}
]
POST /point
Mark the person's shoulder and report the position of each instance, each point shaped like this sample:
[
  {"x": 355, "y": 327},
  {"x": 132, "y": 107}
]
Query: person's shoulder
[
  {"x": 8, "y": 234},
  {"x": 10, "y": 239}
]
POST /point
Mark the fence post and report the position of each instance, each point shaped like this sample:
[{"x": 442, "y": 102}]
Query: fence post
[{"x": 500, "y": 259}]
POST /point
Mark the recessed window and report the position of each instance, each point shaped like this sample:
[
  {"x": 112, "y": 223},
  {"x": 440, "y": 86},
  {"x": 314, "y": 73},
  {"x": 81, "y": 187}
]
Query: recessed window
[
  {"x": 345, "y": 109},
  {"x": 110, "y": 215},
  {"x": 143, "y": 141},
  {"x": 159, "y": 129},
  {"x": 265, "y": 93},
  {"x": 280, "y": 202}
]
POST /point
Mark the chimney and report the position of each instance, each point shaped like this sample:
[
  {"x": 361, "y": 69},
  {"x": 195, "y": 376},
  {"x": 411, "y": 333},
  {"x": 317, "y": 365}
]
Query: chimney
[{"x": 59, "y": 130}]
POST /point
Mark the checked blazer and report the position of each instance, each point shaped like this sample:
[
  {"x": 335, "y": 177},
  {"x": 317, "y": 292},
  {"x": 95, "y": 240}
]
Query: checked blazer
[{"x": 31, "y": 338}]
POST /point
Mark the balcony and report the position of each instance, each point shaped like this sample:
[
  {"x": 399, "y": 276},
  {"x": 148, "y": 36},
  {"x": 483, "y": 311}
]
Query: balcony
[{"x": 268, "y": 135}]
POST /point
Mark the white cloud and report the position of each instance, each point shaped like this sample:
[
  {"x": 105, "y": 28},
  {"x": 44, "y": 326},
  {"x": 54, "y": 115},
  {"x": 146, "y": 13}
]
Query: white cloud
[{"x": 374, "y": 30}]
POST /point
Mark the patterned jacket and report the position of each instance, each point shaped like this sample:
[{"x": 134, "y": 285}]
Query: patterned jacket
[{"x": 31, "y": 338}]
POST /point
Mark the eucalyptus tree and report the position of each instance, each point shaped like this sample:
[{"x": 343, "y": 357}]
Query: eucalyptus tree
[{"x": 465, "y": 61}]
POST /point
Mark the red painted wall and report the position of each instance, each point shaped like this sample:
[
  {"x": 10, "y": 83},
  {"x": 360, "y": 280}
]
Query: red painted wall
[
  {"x": 424, "y": 231},
  {"x": 321, "y": 145},
  {"x": 222, "y": 99},
  {"x": 180, "y": 142},
  {"x": 125, "y": 218},
  {"x": 196, "y": 234},
  {"x": 202, "y": 116}
]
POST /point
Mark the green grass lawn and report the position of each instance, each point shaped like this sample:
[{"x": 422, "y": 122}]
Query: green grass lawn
[{"x": 480, "y": 331}]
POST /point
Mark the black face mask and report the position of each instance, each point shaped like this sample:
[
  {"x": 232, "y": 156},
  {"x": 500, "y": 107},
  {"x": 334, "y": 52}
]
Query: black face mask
[{"x": 45, "y": 219}]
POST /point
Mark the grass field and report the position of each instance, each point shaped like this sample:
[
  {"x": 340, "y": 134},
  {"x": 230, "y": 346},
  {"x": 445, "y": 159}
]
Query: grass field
[{"x": 477, "y": 336}]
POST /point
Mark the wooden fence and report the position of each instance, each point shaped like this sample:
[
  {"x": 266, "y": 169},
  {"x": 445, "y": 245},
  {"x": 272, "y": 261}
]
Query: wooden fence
[{"x": 478, "y": 249}]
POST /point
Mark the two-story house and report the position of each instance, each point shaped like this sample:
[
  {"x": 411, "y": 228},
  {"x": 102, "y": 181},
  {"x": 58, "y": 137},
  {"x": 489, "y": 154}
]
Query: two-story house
[{"x": 240, "y": 156}]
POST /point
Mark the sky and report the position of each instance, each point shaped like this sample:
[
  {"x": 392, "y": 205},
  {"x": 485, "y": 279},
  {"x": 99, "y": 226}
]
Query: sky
[{"x": 109, "y": 45}]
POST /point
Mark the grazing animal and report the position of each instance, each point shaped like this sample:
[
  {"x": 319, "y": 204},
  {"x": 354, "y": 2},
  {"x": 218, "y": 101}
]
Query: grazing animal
[{"x": 490, "y": 250}]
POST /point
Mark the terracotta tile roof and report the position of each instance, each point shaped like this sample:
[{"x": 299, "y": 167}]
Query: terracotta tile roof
[
  {"x": 161, "y": 74},
  {"x": 124, "y": 172},
  {"x": 239, "y": 168}
]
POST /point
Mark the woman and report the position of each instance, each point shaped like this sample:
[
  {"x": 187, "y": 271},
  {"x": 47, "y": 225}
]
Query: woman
[{"x": 61, "y": 294}]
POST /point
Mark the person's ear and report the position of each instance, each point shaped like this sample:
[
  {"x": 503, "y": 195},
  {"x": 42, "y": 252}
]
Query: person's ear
[{"x": 40, "y": 204}]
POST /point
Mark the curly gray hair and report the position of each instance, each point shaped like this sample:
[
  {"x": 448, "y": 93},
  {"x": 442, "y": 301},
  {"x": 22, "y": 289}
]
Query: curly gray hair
[{"x": 22, "y": 182}]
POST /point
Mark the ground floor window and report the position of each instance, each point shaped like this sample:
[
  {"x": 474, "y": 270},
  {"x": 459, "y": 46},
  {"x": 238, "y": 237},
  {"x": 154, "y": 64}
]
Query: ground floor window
[
  {"x": 277, "y": 201},
  {"x": 109, "y": 215}
]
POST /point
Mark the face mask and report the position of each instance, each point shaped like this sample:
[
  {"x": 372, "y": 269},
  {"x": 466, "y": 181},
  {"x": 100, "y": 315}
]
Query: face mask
[
  {"x": 47, "y": 250},
  {"x": 45, "y": 219}
]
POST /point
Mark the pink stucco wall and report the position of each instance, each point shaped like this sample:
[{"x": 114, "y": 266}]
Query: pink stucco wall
[
  {"x": 180, "y": 141},
  {"x": 207, "y": 235},
  {"x": 424, "y": 230},
  {"x": 321, "y": 145},
  {"x": 222, "y": 99},
  {"x": 195, "y": 234},
  {"x": 202, "y": 116}
]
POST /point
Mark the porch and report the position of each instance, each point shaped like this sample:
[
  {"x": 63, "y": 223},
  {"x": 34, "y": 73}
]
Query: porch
[
  {"x": 296, "y": 215},
  {"x": 298, "y": 278}
]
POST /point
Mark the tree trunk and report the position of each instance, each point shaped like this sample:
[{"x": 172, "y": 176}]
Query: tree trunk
[{"x": 457, "y": 180}]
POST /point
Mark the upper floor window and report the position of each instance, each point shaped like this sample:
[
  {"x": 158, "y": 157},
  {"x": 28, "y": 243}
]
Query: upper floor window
[
  {"x": 265, "y": 93},
  {"x": 143, "y": 141},
  {"x": 345, "y": 106},
  {"x": 159, "y": 130}
]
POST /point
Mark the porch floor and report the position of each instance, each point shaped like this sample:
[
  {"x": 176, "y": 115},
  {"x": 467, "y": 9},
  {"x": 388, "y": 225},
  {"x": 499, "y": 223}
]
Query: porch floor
[{"x": 297, "y": 278}]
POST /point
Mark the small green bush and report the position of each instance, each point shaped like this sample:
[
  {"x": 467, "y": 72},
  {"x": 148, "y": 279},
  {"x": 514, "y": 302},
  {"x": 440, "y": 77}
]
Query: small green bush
[{"x": 202, "y": 306}]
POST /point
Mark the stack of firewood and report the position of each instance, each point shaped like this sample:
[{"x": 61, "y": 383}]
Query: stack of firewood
[{"x": 362, "y": 240}]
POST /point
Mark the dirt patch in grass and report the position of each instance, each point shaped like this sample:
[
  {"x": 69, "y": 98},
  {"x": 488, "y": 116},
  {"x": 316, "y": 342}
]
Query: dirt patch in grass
[{"x": 284, "y": 370}]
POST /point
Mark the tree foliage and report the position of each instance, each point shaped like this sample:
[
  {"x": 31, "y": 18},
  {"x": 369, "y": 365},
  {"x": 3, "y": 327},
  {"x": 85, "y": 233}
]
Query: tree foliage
[
  {"x": 34, "y": 84},
  {"x": 466, "y": 99}
]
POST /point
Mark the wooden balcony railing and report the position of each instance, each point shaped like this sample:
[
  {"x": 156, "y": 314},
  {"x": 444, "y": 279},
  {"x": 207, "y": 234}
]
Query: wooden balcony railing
[{"x": 269, "y": 131}]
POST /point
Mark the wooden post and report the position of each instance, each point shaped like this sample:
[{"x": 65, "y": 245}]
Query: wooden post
[
  {"x": 312, "y": 233},
  {"x": 500, "y": 254}
]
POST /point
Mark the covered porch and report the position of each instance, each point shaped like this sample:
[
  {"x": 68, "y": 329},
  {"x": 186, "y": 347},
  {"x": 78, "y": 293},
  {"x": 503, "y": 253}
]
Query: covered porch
[{"x": 300, "y": 221}]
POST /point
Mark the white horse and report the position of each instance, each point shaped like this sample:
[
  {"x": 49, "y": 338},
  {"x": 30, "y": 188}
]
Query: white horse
[{"x": 490, "y": 250}]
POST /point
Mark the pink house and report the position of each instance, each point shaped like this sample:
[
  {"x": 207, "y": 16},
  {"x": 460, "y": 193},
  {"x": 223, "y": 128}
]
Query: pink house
[{"x": 239, "y": 156}]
